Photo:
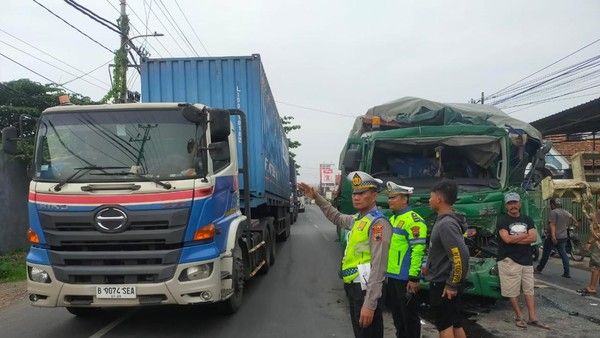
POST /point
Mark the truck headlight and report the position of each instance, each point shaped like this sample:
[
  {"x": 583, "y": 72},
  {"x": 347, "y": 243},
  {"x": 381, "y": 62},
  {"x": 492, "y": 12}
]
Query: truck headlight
[
  {"x": 201, "y": 271},
  {"x": 38, "y": 275}
]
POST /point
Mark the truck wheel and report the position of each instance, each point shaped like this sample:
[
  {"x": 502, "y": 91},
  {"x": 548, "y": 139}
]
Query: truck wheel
[
  {"x": 269, "y": 248},
  {"x": 233, "y": 303},
  {"x": 283, "y": 236},
  {"x": 83, "y": 311}
]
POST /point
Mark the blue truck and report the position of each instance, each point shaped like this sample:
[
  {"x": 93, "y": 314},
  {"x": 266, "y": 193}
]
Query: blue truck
[{"x": 177, "y": 200}]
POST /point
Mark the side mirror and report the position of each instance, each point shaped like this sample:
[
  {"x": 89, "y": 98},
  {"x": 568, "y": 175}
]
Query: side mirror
[
  {"x": 352, "y": 159},
  {"x": 546, "y": 146},
  {"x": 193, "y": 114},
  {"x": 9, "y": 140},
  {"x": 219, "y": 124},
  {"x": 219, "y": 151}
]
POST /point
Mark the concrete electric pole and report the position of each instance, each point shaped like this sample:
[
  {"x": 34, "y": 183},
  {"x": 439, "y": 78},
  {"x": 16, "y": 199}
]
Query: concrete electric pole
[{"x": 124, "y": 63}]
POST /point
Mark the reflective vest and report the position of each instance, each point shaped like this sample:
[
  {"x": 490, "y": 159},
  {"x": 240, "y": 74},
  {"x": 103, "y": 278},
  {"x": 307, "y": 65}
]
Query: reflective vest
[
  {"x": 358, "y": 249},
  {"x": 407, "y": 246}
]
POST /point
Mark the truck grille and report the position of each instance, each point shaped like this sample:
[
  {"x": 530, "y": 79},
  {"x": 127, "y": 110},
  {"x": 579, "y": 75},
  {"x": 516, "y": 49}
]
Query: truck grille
[
  {"x": 142, "y": 225},
  {"x": 146, "y": 252}
]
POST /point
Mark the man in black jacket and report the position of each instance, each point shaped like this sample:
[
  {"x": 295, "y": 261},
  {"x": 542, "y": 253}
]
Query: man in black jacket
[{"x": 448, "y": 261}]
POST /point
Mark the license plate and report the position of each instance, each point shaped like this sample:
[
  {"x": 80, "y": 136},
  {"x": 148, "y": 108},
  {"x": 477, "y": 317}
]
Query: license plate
[{"x": 115, "y": 292}]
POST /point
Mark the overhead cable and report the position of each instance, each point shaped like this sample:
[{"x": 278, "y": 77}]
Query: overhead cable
[
  {"x": 175, "y": 25},
  {"x": 108, "y": 24},
  {"x": 544, "y": 68},
  {"x": 33, "y": 71},
  {"x": 314, "y": 109},
  {"x": 51, "y": 65},
  {"x": 77, "y": 29},
  {"x": 192, "y": 27},
  {"x": 52, "y": 56}
]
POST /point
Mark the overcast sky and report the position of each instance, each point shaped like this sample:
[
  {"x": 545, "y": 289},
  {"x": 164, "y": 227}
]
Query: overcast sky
[{"x": 337, "y": 56}]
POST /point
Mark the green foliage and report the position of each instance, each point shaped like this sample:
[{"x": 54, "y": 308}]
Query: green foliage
[
  {"x": 119, "y": 87},
  {"x": 12, "y": 267},
  {"x": 26, "y": 97},
  {"x": 288, "y": 127}
]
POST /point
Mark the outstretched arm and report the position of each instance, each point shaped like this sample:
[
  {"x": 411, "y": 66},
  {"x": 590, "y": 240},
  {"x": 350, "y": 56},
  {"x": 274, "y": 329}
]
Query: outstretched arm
[{"x": 332, "y": 214}]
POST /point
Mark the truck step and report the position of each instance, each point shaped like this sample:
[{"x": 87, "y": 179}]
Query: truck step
[
  {"x": 263, "y": 262},
  {"x": 257, "y": 247},
  {"x": 225, "y": 275}
]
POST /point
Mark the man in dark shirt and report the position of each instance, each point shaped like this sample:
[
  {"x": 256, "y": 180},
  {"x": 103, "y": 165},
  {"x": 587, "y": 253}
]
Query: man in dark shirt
[
  {"x": 448, "y": 261},
  {"x": 515, "y": 263}
]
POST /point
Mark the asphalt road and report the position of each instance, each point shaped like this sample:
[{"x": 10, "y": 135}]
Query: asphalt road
[{"x": 302, "y": 296}]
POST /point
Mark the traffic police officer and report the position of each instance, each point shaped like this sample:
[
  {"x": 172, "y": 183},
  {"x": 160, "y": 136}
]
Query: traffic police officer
[
  {"x": 365, "y": 258},
  {"x": 407, "y": 250}
]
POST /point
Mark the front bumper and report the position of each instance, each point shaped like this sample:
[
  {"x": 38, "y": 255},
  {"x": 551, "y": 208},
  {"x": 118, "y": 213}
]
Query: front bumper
[{"x": 173, "y": 291}]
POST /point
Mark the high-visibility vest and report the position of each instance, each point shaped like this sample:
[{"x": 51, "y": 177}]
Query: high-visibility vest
[
  {"x": 407, "y": 246},
  {"x": 358, "y": 249}
]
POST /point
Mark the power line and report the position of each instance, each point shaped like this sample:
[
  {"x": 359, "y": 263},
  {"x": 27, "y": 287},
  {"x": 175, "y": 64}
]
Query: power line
[
  {"x": 175, "y": 26},
  {"x": 51, "y": 65},
  {"x": 51, "y": 56},
  {"x": 548, "y": 66},
  {"x": 33, "y": 71},
  {"x": 136, "y": 30},
  {"x": 77, "y": 29},
  {"x": 106, "y": 23},
  {"x": 575, "y": 68},
  {"x": 162, "y": 25},
  {"x": 314, "y": 109},
  {"x": 589, "y": 73},
  {"x": 562, "y": 99},
  {"x": 557, "y": 96},
  {"x": 541, "y": 83},
  {"x": 193, "y": 30},
  {"x": 88, "y": 73}
]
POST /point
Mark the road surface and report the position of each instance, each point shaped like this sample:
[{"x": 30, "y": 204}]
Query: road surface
[{"x": 301, "y": 297}]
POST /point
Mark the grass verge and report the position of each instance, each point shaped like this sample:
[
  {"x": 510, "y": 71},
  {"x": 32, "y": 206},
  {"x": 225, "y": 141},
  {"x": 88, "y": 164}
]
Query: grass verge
[{"x": 12, "y": 266}]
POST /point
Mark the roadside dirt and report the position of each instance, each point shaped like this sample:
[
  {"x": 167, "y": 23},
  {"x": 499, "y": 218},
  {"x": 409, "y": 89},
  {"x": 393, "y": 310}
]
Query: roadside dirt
[{"x": 12, "y": 292}]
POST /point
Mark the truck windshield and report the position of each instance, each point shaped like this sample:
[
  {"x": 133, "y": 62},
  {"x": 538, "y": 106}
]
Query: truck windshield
[
  {"x": 120, "y": 146},
  {"x": 472, "y": 162}
]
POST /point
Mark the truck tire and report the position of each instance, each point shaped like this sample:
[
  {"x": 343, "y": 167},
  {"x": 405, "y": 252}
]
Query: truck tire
[
  {"x": 269, "y": 246},
  {"x": 83, "y": 312},
  {"x": 283, "y": 236},
  {"x": 233, "y": 303}
]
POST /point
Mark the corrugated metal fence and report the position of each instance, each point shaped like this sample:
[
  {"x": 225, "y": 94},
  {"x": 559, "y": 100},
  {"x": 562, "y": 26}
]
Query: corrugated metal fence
[
  {"x": 13, "y": 203},
  {"x": 569, "y": 204}
]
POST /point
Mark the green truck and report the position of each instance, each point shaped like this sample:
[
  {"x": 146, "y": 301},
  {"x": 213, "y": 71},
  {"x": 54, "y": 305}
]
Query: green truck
[{"x": 417, "y": 142}]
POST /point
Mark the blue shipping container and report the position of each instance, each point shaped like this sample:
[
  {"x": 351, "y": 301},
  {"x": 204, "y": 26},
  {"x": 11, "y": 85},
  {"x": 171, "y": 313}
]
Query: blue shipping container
[{"x": 230, "y": 82}]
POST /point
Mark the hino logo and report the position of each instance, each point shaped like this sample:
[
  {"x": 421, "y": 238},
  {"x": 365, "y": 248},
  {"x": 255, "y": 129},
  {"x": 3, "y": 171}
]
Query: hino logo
[{"x": 110, "y": 220}]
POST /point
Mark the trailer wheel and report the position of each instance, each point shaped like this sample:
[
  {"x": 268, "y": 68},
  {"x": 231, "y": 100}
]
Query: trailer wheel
[
  {"x": 83, "y": 312},
  {"x": 283, "y": 236},
  {"x": 269, "y": 246},
  {"x": 233, "y": 303}
]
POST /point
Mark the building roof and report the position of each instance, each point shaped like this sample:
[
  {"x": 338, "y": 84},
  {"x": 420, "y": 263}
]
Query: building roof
[{"x": 579, "y": 119}]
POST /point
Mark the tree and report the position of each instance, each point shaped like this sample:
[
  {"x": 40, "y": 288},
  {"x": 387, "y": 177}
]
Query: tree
[
  {"x": 288, "y": 126},
  {"x": 27, "y": 97}
]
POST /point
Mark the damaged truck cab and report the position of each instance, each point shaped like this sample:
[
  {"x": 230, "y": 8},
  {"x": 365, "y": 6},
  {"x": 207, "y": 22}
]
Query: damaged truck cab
[{"x": 417, "y": 143}]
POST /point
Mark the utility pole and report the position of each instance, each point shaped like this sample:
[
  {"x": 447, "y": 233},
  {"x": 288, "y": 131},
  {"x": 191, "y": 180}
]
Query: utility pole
[
  {"x": 124, "y": 27},
  {"x": 481, "y": 97}
]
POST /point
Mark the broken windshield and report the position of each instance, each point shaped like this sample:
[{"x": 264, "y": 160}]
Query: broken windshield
[
  {"x": 473, "y": 162},
  {"x": 152, "y": 143}
]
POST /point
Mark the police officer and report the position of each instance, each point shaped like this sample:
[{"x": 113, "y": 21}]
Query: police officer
[
  {"x": 407, "y": 249},
  {"x": 365, "y": 258}
]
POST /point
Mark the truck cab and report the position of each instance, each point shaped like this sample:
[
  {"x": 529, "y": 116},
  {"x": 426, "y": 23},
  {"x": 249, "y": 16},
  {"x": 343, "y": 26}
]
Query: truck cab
[
  {"x": 142, "y": 204},
  {"x": 418, "y": 143}
]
